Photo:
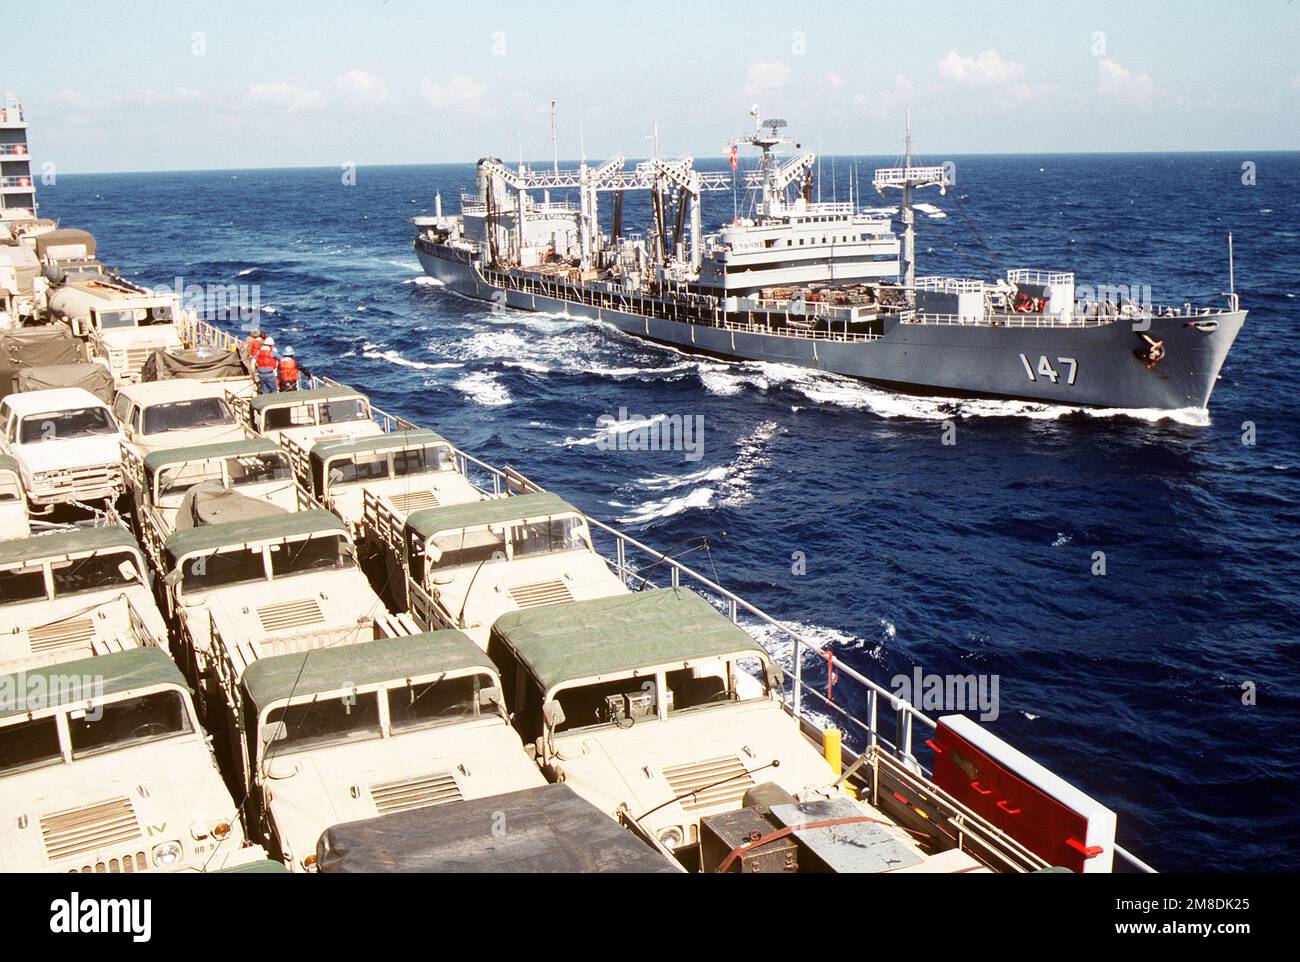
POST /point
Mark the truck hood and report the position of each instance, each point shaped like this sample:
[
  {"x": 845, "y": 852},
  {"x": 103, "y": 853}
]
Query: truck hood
[
  {"x": 404, "y": 495},
  {"x": 68, "y": 628},
  {"x": 150, "y": 794},
  {"x": 88, "y": 452},
  {"x": 308, "y": 792},
  {"x": 144, "y": 444},
  {"x": 134, "y": 338},
  {"x": 651, "y": 763}
]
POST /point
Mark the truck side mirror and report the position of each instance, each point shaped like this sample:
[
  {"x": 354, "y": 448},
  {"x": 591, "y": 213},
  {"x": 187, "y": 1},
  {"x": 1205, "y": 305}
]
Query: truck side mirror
[
  {"x": 491, "y": 696},
  {"x": 775, "y": 676},
  {"x": 552, "y": 715}
]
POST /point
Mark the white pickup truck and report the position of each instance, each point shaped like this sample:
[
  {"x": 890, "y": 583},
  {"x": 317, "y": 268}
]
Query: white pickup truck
[{"x": 67, "y": 446}]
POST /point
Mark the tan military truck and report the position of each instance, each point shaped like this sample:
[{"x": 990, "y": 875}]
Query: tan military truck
[
  {"x": 306, "y": 417},
  {"x": 66, "y": 444},
  {"x": 104, "y": 769},
  {"x": 123, "y": 324},
  {"x": 646, "y": 703},
  {"x": 14, "y": 522},
  {"x": 183, "y": 487},
  {"x": 68, "y": 595},
  {"x": 394, "y": 473},
  {"x": 469, "y": 564},
  {"x": 354, "y": 732},
  {"x": 288, "y": 582},
  {"x": 175, "y": 414}
]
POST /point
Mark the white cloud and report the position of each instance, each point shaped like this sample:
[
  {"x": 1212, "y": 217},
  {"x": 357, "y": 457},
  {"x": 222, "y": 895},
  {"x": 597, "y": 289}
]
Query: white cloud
[
  {"x": 1118, "y": 80},
  {"x": 887, "y": 103},
  {"x": 284, "y": 96},
  {"x": 362, "y": 87},
  {"x": 834, "y": 80},
  {"x": 988, "y": 69},
  {"x": 760, "y": 77},
  {"x": 459, "y": 93}
]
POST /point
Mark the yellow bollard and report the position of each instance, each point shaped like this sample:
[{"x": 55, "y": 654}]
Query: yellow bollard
[{"x": 833, "y": 754}]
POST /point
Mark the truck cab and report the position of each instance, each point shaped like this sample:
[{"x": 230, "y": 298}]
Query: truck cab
[
  {"x": 469, "y": 564},
  {"x": 66, "y": 444},
  {"x": 123, "y": 324},
  {"x": 655, "y": 704},
  {"x": 164, "y": 483},
  {"x": 72, "y": 594},
  {"x": 288, "y": 582},
  {"x": 175, "y": 414},
  {"x": 397, "y": 472},
  {"x": 365, "y": 730},
  {"x": 13, "y": 501},
  {"x": 104, "y": 769},
  {"x": 306, "y": 417}
]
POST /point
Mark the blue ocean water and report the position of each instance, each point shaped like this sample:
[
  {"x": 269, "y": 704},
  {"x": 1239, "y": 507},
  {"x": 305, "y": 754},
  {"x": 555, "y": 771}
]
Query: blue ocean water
[{"x": 974, "y": 557}]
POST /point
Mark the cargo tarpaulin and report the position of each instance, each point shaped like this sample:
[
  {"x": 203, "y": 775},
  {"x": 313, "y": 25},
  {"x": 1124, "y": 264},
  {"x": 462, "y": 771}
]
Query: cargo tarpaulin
[
  {"x": 44, "y": 346},
  {"x": 199, "y": 363},
  {"x": 210, "y": 503},
  {"x": 95, "y": 378},
  {"x": 546, "y": 829}
]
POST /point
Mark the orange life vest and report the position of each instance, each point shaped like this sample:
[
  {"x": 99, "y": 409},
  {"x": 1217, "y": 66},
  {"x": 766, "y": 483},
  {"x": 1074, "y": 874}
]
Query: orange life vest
[
  {"x": 265, "y": 357},
  {"x": 254, "y": 345},
  {"x": 288, "y": 371}
]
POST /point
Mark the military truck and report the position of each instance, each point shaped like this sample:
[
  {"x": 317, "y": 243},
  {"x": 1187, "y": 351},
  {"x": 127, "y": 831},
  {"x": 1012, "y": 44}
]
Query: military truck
[
  {"x": 358, "y": 731},
  {"x": 647, "y": 703},
  {"x": 104, "y": 768},
  {"x": 175, "y": 414},
  {"x": 14, "y": 522},
  {"x": 22, "y": 288},
  {"x": 394, "y": 473},
  {"x": 468, "y": 564},
  {"x": 72, "y": 594},
  {"x": 306, "y": 417},
  {"x": 122, "y": 323},
  {"x": 181, "y": 487},
  {"x": 287, "y": 582},
  {"x": 66, "y": 444}
]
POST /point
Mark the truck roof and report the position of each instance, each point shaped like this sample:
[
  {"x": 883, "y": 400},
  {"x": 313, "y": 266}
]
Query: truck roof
[
  {"x": 268, "y": 528},
  {"x": 429, "y": 521},
  {"x": 65, "y": 543},
  {"x": 177, "y": 389},
  {"x": 206, "y": 452},
  {"x": 325, "y": 450},
  {"x": 75, "y": 682},
  {"x": 54, "y": 399},
  {"x": 606, "y": 636},
  {"x": 289, "y": 398},
  {"x": 389, "y": 659}
]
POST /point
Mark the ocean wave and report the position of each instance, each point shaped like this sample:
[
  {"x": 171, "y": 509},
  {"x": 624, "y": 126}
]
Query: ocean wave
[
  {"x": 667, "y": 507},
  {"x": 483, "y": 387},
  {"x": 424, "y": 280},
  {"x": 373, "y": 352}
]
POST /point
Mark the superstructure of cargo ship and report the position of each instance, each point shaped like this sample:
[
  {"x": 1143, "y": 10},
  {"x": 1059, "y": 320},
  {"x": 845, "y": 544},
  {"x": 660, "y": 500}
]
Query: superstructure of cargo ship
[
  {"x": 823, "y": 285},
  {"x": 379, "y": 639}
]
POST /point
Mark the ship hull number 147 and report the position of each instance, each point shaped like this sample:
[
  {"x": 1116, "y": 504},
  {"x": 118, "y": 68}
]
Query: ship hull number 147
[{"x": 1065, "y": 370}]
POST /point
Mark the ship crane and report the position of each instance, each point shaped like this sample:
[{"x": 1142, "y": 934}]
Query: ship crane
[
  {"x": 772, "y": 177},
  {"x": 908, "y": 178}
]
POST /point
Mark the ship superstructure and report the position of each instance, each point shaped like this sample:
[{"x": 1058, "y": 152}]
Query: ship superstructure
[{"x": 831, "y": 286}]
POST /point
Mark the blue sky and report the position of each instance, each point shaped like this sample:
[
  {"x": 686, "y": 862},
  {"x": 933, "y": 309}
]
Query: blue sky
[{"x": 149, "y": 85}]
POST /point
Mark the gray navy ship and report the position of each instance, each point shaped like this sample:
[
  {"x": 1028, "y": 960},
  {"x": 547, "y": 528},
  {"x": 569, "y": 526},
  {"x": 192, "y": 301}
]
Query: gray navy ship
[{"x": 824, "y": 285}]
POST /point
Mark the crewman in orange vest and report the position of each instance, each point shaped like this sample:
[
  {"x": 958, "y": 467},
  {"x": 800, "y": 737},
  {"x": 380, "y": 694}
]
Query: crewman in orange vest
[
  {"x": 253, "y": 345},
  {"x": 267, "y": 365},
  {"x": 288, "y": 371}
]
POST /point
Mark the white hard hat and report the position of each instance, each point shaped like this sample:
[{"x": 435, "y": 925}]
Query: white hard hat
[
  {"x": 288, "y": 352},
  {"x": 269, "y": 342}
]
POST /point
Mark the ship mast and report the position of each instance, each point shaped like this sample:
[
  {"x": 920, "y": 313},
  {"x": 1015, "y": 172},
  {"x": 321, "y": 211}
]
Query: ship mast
[{"x": 908, "y": 178}]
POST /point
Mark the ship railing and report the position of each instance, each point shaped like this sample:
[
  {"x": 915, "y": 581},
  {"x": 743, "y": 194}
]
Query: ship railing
[
  {"x": 13, "y": 150},
  {"x": 1004, "y": 320},
  {"x": 1028, "y": 275},
  {"x": 15, "y": 182},
  {"x": 817, "y": 674}
]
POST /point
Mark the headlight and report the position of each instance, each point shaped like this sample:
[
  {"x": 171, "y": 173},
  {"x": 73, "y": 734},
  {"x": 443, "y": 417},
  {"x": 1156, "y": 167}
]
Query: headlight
[
  {"x": 220, "y": 830},
  {"x": 198, "y": 831},
  {"x": 167, "y": 854},
  {"x": 671, "y": 836},
  {"x": 309, "y": 863}
]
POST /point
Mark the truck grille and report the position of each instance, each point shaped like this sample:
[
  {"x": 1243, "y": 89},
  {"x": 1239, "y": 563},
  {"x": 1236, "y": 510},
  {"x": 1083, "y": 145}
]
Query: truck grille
[
  {"x": 406, "y": 794},
  {"x": 414, "y": 501},
  {"x": 136, "y": 356},
  {"x": 82, "y": 830},
  {"x": 75, "y": 632},
  {"x": 127, "y": 863},
  {"x": 290, "y": 614},
  {"x": 84, "y": 482},
  {"x": 540, "y": 594},
  {"x": 693, "y": 776}
]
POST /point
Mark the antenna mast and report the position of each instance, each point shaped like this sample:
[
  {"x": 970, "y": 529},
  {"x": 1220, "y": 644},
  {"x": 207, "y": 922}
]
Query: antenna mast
[
  {"x": 555, "y": 143},
  {"x": 908, "y": 178}
]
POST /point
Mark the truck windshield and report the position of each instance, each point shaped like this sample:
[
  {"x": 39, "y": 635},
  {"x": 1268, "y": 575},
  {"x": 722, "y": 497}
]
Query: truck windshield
[
  {"x": 348, "y": 409},
  {"x": 133, "y": 721},
  {"x": 184, "y": 415},
  {"x": 544, "y": 537},
  {"x": 422, "y": 461},
  {"x": 66, "y": 425},
  {"x": 21, "y": 584},
  {"x": 112, "y": 320},
  {"x": 102, "y": 571},
  {"x": 435, "y": 702},
  {"x": 469, "y": 548},
  {"x": 314, "y": 554},
  {"x": 362, "y": 467},
  {"x": 257, "y": 468},
  {"x": 221, "y": 568},
  {"x": 29, "y": 744},
  {"x": 326, "y": 721}
]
